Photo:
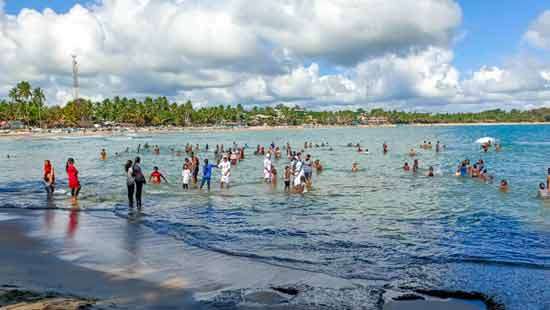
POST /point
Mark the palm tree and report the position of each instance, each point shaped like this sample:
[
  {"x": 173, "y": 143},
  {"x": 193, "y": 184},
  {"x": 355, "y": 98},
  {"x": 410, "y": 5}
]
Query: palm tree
[
  {"x": 25, "y": 93},
  {"x": 38, "y": 99}
]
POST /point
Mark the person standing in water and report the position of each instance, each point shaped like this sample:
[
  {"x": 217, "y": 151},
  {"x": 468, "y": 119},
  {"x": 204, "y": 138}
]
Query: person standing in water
[
  {"x": 225, "y": 167},
  {"x": 207, "y": 174},
  {"x": 139, "y": 180},
  {"x": 287, "y": 176},
  {"x": 186, "y": 176},
  {"x": 130, "y": 182},
  {"x": 49, "y": 178},
  {"x": 74, "y": 183},
  {"x": 415, "y": 166},
  {"x": 267, "y": 168},
  {"x": 103, "y": 154},
  {"x": 548, "y": 180}
]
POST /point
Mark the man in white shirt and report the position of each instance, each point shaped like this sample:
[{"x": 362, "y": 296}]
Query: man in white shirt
[
  {"x": 267, "y": 168},
  {"x": 225, "y": 167}
]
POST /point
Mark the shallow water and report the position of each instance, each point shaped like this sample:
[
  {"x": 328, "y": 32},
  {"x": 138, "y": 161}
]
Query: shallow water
[{"x": 380, "y": 225}]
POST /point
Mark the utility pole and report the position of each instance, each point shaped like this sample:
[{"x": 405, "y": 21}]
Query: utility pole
[{"x": 75, "y": 79}]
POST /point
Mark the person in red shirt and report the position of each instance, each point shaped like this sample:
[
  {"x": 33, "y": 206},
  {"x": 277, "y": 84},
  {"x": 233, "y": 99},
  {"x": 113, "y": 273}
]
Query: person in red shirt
[
  {"x": 49, "y": 178},
  {"x": 157, "y": 177},
  {"x": 74, "y": 183}
]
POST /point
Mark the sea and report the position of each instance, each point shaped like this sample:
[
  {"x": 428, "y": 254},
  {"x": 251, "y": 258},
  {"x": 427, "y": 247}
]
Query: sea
[{"x": 380, "y": 229}]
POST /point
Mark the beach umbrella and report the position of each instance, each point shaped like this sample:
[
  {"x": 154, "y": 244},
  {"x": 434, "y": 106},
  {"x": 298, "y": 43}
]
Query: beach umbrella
[{"x": 485, "y": 140}]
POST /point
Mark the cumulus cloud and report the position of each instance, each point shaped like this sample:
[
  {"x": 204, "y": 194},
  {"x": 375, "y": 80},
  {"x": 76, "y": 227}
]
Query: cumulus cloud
[
  {"x": 172, "y": 47},
  {"x": 316, "y": 53},
  {"x": 538, "y": 34},
  {"x": 345, "y": 32}
]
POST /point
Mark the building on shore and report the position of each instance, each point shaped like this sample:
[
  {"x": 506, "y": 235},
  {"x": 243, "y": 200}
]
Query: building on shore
[{"x": 378, "y": 120}]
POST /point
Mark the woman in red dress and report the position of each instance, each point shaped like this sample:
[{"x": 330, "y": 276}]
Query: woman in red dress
[
  {"x": 72, "y": 173},
  {"x": 49, "y": 178}
]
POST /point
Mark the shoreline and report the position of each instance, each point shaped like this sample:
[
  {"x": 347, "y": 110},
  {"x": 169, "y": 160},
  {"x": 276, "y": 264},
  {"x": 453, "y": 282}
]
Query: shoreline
[
  {"x": 128, "y": 131},
  {"x": 33, "y": 264}
]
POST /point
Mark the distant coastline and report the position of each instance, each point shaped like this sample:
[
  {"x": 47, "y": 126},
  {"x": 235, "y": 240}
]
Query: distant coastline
[{"x": 128, "y": 131}]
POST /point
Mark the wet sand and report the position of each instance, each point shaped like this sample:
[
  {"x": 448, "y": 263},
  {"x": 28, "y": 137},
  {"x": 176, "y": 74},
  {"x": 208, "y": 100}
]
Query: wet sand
[{"x": 26, "y": 263}]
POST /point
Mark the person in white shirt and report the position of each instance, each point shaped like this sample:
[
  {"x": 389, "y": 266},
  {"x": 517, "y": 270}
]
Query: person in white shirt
[
  {"x": 267, "y": 168},
  {"x": 225, "y": 167},
  {"x": 186, "y": 176},
  {"x": 298, "y": 171}
]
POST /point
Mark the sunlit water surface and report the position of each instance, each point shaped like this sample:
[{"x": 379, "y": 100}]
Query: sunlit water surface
[{"x": 380, "y": 225}]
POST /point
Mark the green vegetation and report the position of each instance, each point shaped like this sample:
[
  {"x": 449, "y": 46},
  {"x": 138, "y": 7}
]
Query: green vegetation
[{"x": 28, "y": 105}]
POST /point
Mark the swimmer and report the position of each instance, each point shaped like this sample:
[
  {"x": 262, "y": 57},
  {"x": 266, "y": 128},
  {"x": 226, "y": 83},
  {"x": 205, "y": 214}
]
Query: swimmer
[
  {"x": 317, "y": 165},
  {"x": 430, "y": 171},
  {"x": 157, "y": 177},
  {"x": 548, "y": 180},
  {"x": 412, "y": 153},
  {"x": 385, "y": 148},
  {"x": 497, "y": 147},
  {"x": 406, "y": 167},
  {"x": 503, "y": 186},
  {"x": 437, "y": 147},
  {"x": 103, "y": 155},
  {"x": 354, "y": 167}
]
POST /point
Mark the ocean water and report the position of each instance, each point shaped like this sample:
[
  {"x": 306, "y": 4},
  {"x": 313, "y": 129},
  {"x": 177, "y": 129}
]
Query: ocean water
[{"x": 381, "y": 227}]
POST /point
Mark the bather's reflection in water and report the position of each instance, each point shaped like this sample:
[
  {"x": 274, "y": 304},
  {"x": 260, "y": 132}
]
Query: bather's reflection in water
[
  {"x": 132, "y": 240},
  {"x": 49, "y": 215},
  {"x": 72, "y": 227}
]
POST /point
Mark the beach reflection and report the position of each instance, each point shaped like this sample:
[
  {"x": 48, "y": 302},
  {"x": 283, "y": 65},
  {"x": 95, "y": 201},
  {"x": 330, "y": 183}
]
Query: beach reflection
[
  {"x": 49, "y": 215},
  {"x": 72, "y": 227},
  {"x": 132, "y": 240}
]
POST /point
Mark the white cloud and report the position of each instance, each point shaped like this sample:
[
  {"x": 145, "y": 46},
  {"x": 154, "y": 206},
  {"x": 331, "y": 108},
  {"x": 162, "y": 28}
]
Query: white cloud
[
  {"x": 317, "y": 53},
  {"x": 538, "y": 34}
]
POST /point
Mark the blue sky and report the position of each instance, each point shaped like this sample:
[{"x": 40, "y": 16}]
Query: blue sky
[
  {"x": 493, "y": 29},
  {"x": 348, "y": 53}
]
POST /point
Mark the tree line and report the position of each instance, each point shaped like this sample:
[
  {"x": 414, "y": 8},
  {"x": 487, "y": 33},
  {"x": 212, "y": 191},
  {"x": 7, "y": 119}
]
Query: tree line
[{"x": 27, "y": 104}]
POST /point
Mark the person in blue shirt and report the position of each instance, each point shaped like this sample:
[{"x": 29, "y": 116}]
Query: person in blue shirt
[{"x": 207, "y": 173}]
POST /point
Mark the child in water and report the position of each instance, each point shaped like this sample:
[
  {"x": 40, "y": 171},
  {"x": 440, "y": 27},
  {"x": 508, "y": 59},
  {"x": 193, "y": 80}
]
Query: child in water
[
  {"x": 103, "y": 155},
  {"x": 406, "y": 167},
  {"x": 273, "y": 175},
  {"x": 157, "y": 177},
  {"x": 185, "y": 176},
  {"x": 354, "y": 167},
  {"x": 503, "y": 186},
  {"x": 287, "y": 176},
  {"x": 49, "y": 178},
  {"x": 431, "y": 171}
]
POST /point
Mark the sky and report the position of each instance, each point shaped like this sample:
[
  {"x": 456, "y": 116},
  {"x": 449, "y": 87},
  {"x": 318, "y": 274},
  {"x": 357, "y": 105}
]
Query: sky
[{"x": 450, "y": 55}]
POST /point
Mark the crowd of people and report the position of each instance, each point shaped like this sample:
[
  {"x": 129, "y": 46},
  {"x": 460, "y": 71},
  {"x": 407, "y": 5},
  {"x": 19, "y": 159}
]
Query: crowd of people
[{"x": 297, "y": 175}]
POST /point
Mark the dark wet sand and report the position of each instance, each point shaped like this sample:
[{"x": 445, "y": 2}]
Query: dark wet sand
[
  {"x": 31, "y": 263},
  {"x": 26, "y": 263},
  {"x": 431, "y": 305}
]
